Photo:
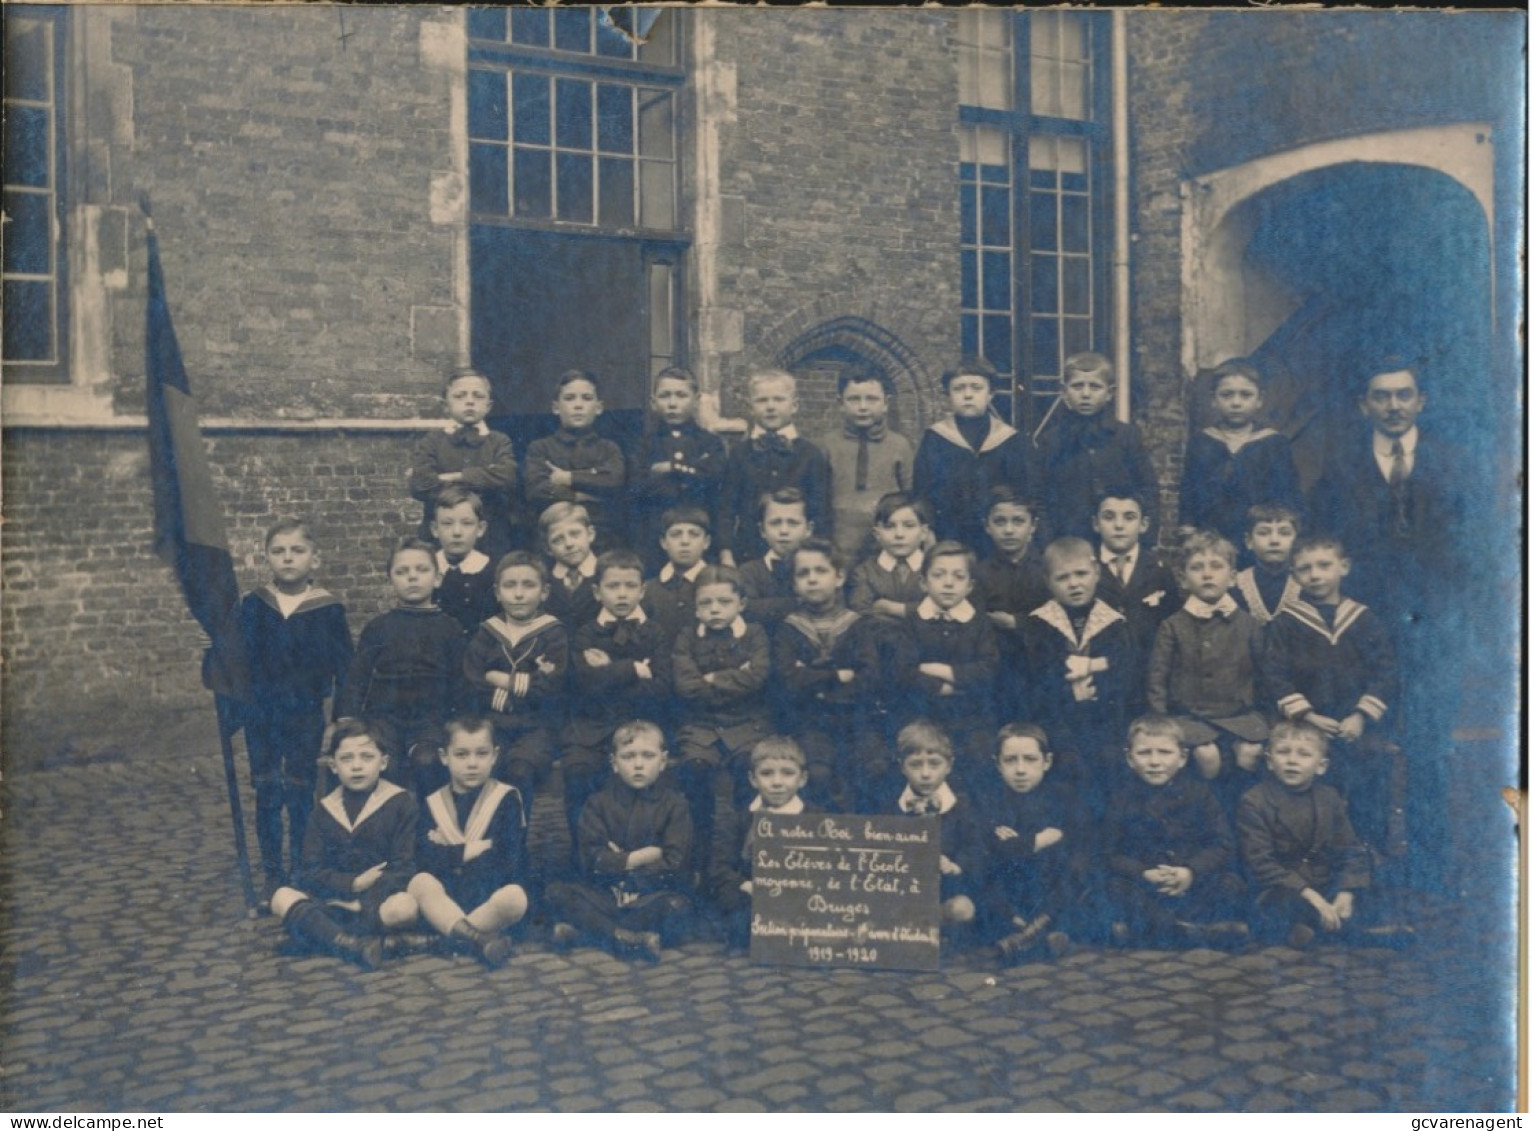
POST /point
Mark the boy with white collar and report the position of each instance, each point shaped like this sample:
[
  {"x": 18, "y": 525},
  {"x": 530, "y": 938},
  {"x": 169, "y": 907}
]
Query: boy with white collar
[
  {"x": 778, "y": 773},
  {"x": 465, "y": 586},
  {"x": 888, "y": 585},
  {"x": 670, "y": 597},
  {"x": 950, "y": 656},
  {"x": 1080, "y": 659},
  {"x": 926, "y": 760}
]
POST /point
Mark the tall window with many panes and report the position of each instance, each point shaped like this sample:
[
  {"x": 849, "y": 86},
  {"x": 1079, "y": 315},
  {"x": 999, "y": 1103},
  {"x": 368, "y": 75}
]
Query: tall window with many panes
[
  {"x": 575, "y": 222},
  {"x": 1032, "y": 150},
  {"x": 35, "y": 295}
]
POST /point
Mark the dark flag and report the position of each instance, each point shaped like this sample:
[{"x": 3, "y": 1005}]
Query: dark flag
[
  {"x": 189, "y": 534},
  {"x": 188, "y": 527}
]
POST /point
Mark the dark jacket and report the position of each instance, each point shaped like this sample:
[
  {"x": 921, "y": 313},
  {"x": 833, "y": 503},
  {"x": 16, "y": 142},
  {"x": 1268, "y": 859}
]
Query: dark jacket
[{"x": 1300, "y": 840}]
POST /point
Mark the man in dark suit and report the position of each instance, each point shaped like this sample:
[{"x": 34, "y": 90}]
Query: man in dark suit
[{"x": 1396, "y": 498}]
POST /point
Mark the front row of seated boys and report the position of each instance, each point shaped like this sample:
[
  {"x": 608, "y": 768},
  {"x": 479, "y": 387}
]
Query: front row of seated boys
[{"x": 1022, "y": 866}]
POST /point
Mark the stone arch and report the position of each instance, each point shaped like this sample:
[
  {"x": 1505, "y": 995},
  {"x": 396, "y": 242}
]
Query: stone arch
[{"x": 817, "y": 355}]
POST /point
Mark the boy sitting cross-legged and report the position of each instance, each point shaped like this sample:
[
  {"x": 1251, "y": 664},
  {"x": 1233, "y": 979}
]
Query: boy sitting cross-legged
[
  {"x": 472, "y": 848},
  {"x": 634, "y": 843},
  {"x": 358, "y": 856},
  {"x": 778, "y": 774},
  {"x": 1299, "y": 848},
  {"x": 1169, "y": 852},
  {"x": 825, "y": 658},
  {"x": 1034, "y": 837}
]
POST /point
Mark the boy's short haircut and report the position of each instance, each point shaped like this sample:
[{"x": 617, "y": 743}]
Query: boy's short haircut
[
  {"x": 783, "y": 497},
  {"x": 690, "y": 516},
  {"x": 562, "y": 511},
  {"x": 517, "y": 559},
  {"x": 1089, "y": 362},
  {"x": 758, "y": 376},
  {"x": 464, "y": 374},
  {"x": 920, "y": 736},
  {"x": 570, "y": 376},
  {"x": 970, "y": 365},
  {"x": 1023, "y": 730},
  {"x": 467, "y": 722},
  {"x": 677, "y": 373},
  {"x": 1123, "y": 491},
  {"x": 1238, "y": 367},
  {"x": 1003, "y": 495},
  {"x": 618, "y": 559},
  {"x": 353, "y": 727},
  {"x": 630, "y": 731},
  {"x": 949, "y": 549},
  {"x": 288, "y": 524},
  {"x": 1317, "y": 541},
  {"x": 777, "y": 747},
  {"x": 859, "y": 376},
  {"x": 1062, "y": 550},
  {"x": 719, "y": 575},
  {"x": 1296, "y": 728},
  {"x": 407, "y": 543},
  {"x": 1272, "y": 512},
  {"x": 819, "y": 546},
  {"x": 896, "y": 501},
  {"x": 1162, "y": 725},
  {"x": 453, "y": 495},
  {"x": 1206, "y": 542}
]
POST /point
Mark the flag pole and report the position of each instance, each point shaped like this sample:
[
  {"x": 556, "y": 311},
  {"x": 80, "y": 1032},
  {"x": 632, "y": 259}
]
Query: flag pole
[
  {"x": 226, "y": 729},
  {"x": 189, "y": 531}
]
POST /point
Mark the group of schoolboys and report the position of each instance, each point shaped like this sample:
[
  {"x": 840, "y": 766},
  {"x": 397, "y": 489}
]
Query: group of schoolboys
[{"x": 850, "y": 651}]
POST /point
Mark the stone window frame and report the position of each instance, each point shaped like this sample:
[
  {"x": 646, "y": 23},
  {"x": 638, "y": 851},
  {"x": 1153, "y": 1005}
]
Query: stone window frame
[
  {"x": 52, "y": 370},
  {"x": 1009, "y": 63}
]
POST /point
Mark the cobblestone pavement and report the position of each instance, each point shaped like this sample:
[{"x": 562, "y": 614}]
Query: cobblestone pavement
[{"x": 129, "y": 980}]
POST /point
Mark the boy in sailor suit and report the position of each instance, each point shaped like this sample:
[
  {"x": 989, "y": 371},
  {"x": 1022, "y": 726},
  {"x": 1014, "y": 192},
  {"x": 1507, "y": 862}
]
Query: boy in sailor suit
[
  {"x": 472, "y": 848},
  {"x": 298, "y": 646},
  {"x": 1328, "y": 661},
  {"x": 517, "y": 663},
  {"x": 1264, "y": 587},
  {"x": 358, "y": 856}
]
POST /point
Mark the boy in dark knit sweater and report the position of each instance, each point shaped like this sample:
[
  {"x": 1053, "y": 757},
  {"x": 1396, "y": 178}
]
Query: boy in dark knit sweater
[
  {"x": 575, "y": 465},
  {"x": 1170, "y": 855},
  {"x": 408, "y": 669},
  {"x": 1300, "y": 851},
  {"x": 298, "y": 647},
  {"x": 634, "y": 842}
]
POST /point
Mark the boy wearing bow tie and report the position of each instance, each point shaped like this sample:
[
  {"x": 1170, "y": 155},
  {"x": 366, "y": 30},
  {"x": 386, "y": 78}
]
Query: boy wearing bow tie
[
  {"x": 468, "y": 454},
  {"x": 771, "y": 458}
]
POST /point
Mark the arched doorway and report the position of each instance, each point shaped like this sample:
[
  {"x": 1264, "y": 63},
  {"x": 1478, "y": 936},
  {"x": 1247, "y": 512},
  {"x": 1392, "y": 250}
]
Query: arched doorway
[
  {"x": 820, "y": 355},
  {"x": 1314, "y": 273}
]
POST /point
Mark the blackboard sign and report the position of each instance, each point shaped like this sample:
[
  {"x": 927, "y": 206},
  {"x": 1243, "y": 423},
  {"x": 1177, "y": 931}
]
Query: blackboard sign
[{"x": 846, "y": 891}]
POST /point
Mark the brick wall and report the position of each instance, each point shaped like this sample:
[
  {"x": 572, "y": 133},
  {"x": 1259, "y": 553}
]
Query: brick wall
[
  {"x": 291, "y": 178},
  {"x": 93, "y": 620},
  {"x": 842, "y": 167}
]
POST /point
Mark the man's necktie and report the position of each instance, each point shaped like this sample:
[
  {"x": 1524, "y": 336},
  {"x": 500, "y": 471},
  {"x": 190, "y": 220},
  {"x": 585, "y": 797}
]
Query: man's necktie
[
  {"x": 1397, "y": 475},
  {"x": 861, "y": 460}
]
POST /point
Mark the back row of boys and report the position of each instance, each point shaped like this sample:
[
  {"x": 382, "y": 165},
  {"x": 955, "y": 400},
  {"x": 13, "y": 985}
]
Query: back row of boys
[{"x": 1082, "y": 659}]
